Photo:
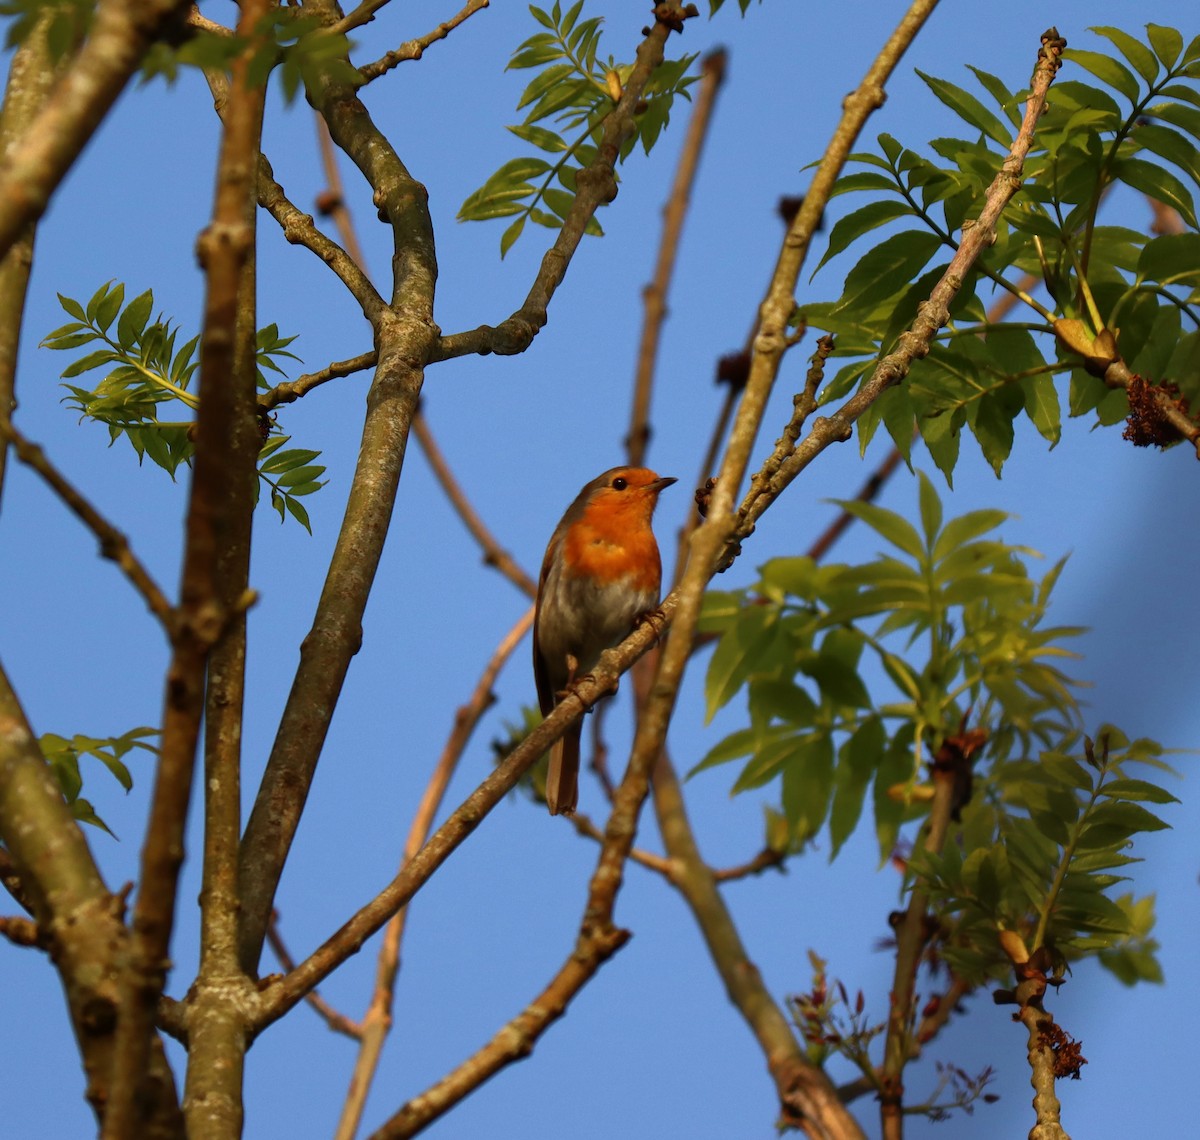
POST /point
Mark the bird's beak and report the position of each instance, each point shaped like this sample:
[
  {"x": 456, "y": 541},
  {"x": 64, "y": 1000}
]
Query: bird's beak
[{"x": 662, "y": 483}]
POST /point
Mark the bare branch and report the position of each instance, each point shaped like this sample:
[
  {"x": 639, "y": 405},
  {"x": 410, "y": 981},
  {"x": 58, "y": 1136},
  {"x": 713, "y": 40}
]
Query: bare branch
[
  {"x": 493, "y": 553},
  {"x": 404, "y": 335},
  {"x": 30, "y": 80},
  {"x": 378, "y": 1019},
  {"x": 120, "y": 34},
  {"x": 113, "y": 543},
  {"x": 291, "y": 390},
  {"x": 596, "y": 185},
  {"x": 336, "y": 1021},
  {"x": 414, "y": 49},
  {"x": 215, "y": 565},
  {"x": 654, "y": 295}
]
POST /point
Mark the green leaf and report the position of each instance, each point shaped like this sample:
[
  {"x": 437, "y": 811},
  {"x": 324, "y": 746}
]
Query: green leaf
[
  {"x": 542, "y": 138},
  {"x": 297, "y": 511},
  {"x": 807, "y": 786},
  {"x": 300, "y": 475},
  {"x": 931, "y": 509},
  {"x": 1170, "y": 145},
  {"x": 999, "y": 92},
  {"x": 510, "y": 235},
  {"x": 108, "y": 306},
  {"x": 895, "y": 528},
  {"x": 1041, "y": 405},
  {"x": 1129, "y": 789},
  {"x": 73, "y": 308},
  {"x": 1158, "y": 183},
  {"x": 887, "y": 269},
  {"x": 1166, "y": 42},
  {"x": 736, "y": 655},
  {"x": 281, "y": 461},
  {"x": 1133, "y": 50},
  {"x": 963, "y": 529},
  {"x": 993, "y": 428},
  {"x": 858, "y": 758},
  {"x": 544, "y": 81},
  {"x": 968, "y": 108},
  {"x": 133, "y": 320},
  {"x": 1107, "y": 70},
  {"x": 87, "y": 363},
  {"x": 848, "y": 229}
]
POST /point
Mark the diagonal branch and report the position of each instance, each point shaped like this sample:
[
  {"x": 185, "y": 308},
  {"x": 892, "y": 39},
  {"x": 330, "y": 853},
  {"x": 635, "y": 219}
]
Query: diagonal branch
[
  {"x": 493, "y": 553},
  {"x": 414, "y": 49},
  {"x": 378, "y": 1019},
  {"x": 932, "y": 315},
  {"x": 113, "y": 543},
  {"x": 654, "y": 295},
  {"x": 597, "y": 184},
  {"x": 121, "y": 32}
]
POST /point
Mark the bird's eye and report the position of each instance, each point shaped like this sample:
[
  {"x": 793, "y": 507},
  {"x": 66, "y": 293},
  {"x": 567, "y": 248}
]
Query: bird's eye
[{"x": 620, "y": 484}]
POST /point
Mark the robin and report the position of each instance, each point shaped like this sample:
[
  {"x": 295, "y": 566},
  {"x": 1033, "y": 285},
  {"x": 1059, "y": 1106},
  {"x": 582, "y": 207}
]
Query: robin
[{"x": 601, "y": 572}]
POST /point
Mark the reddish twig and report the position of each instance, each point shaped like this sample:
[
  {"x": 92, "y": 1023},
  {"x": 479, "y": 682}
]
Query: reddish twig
[
  {"x": 336, "y": 1020},
  {"x": 654, "y": 295},
  {"x": 378, "y": 1019}
]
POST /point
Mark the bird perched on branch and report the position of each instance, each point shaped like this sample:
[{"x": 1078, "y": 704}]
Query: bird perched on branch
[{"x": 601, "y": 572}]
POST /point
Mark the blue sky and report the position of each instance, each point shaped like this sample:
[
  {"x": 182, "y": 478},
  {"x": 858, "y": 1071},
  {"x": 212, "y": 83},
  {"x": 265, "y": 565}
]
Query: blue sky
[{"x": 651, "y": 1048}]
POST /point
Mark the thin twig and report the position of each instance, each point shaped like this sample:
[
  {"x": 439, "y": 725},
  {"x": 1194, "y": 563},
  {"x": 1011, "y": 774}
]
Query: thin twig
[
  {"x": 113, "y": 543},
  {"x": 912, "y": 936},
  {"x": 931, "y": 317},
  {"x": 658, "y": 863},
  {"x": 654, "y": 295},
  {"x": 493, "y": 553},
  {"x": 378, "y": 1019},
  {"x": 336, "y": 1020},
  {"x": 291, "y": 390},
  {"x": 414, "y": 49},
  {"x": 21, "y": 931},
  {"x": 332, "y": 201}
]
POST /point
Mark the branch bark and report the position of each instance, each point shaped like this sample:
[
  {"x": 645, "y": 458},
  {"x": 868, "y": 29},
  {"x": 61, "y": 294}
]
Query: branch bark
[
  {"x": 404, "y": 335},
  {"x": 212, "y": 600},
  {"x": 120, "y": 35},
  {"x": 80, "y": 920},
  {"x": 30, "y": 80},
  {"x": 597, "y": 184}
]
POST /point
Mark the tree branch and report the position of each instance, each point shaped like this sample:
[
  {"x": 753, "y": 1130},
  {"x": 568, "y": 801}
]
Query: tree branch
[
  {"x": 30, "y": 80},
  {"x": 120, "y": 34},
  {"x": 414, "y": 49},
  {"x": 80, "y": 920},
  {"x": 404, "y": 334},
  {"x": 215, "y": 563},
  {"x": 493, "y": 553},
  {"x": 336, "y": 1020},
  {"x": 654, "y": 295},
  {"x": 596, "y": 185},
  {"x": 113, "y": 543},
  {"x": 932, "y": 315},
  {"x": 378, "y": 1019},
  {"x": 291, "y": 390}
]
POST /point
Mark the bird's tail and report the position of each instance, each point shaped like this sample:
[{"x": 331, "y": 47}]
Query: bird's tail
[{"x": 562, "y": 778}]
